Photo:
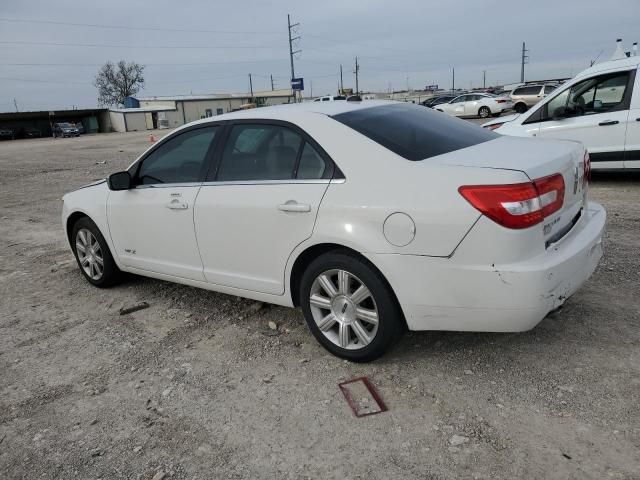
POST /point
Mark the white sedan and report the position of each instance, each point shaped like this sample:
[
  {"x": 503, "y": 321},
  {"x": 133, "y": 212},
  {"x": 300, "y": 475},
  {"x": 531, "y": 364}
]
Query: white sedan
[
  {"x": 373, "y": 217},
  {"x": 481, "y": 105}
]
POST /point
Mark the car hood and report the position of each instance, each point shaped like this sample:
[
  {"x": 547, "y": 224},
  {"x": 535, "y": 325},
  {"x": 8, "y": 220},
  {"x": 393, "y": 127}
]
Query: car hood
[{"x": 503, "y": 119}]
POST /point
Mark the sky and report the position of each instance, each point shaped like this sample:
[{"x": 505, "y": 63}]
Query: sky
[{"x": 50, "y": 51}]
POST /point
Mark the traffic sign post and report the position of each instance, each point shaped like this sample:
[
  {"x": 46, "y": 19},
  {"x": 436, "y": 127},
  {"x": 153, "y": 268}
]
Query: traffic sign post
[{"x": 297, "y": 84}]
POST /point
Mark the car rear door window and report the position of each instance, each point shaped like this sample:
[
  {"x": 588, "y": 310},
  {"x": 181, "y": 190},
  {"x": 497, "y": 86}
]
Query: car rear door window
[
  {"x": 312, "y": 165},
  {"x": 180, "y": 159},
  {"x": 259, "y": 152},
  {"x": 413, "y": 132}
]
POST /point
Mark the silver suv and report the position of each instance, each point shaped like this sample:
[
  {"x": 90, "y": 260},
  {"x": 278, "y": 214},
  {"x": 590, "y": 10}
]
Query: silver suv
[{"x": 528, "y": 95}]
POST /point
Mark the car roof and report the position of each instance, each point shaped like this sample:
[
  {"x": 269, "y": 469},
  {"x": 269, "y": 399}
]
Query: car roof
[
  {"x": 611, "y": 65},
  {"x": 288, "y": 111}
]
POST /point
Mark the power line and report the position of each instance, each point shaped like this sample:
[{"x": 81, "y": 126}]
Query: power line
[
  {"x": 126, "y": 27},
  {"x": 206, "y": 47},
  {"x": 240, "y": 62}
]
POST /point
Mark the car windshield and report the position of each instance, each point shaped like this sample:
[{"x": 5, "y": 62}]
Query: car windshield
[
  {"x": 413, "y": 132},
  {"x": 64, "y": 125}
]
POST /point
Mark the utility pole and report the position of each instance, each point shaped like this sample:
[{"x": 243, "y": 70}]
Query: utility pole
[
  {"x": 272, "y": 89},
  {"x": 453, "y": 79},
  {"x": 311, "y": 85},
  {"x": 341, "y": 84},
  {"x": 356, "y": 72},
  {"x": 524, "y": 60},
  {"x": 291, "y": 52},
  {"x": 484, "y": 79},
  {"x": 16, "y": 104},
  {"x": 251, "y": 85}
]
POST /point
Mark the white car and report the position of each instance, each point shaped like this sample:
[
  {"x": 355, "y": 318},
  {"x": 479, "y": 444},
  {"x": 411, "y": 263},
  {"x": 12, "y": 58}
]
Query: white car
[
  {"x": 371, "y": 216},
  {"x": 600, "y": 107},
  {"x": 330, "y": 98},
  {"x": 481, "y": 105}
]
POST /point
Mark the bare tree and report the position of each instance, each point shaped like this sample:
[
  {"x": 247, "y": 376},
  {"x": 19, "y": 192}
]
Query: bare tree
[{"x": 116, "y": 81}]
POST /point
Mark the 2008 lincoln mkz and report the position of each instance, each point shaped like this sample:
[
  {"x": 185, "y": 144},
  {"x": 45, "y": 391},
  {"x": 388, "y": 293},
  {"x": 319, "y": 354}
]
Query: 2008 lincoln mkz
[{"x": 372, "y": 216}]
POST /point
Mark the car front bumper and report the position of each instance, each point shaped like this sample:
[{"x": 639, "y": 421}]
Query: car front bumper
[{"x": 443, "y": 294}]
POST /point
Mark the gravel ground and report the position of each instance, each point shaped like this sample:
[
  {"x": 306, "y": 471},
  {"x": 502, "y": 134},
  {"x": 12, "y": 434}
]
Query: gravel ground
[{"x": 198, "y": 386}]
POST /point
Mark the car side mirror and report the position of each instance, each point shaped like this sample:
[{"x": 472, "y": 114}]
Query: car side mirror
[{"x": 119, "y": 181}]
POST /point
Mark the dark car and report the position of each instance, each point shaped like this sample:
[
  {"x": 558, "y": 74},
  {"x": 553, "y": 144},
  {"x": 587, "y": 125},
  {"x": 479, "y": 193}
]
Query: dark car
[
  {"x": 64, "y": 129},
  {"x": 7, "y": 133},
  {"x": 31, "y": 133},
  {"x": 80, "y": 127},
  {"x": 438, "y": 100}
]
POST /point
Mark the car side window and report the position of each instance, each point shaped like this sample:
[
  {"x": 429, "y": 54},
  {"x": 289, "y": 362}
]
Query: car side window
[
  {"x": 259, "y": 152},
  {"x": 181, "y": 159},
  {"x": 548, "y": 89},
  {"x": 312, "y": 165},
  {"x": 461, "y": 98},
  {"x": 593, "y": 95}
]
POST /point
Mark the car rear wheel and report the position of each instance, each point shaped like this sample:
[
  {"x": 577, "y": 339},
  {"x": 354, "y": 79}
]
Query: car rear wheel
[
  {"x": 92, "y": 254},
  {"x": 520, "y": 108},
  {"x": 484, "y": 112},
  {"x": 349, "y": 308}
]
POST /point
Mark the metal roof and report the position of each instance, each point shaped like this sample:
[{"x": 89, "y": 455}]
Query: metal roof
[
  {"x": 217, "y": 96},
  {"x": 143, "y": 109}
]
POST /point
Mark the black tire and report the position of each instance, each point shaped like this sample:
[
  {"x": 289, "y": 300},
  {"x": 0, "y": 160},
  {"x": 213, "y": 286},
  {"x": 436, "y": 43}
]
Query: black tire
[
  {"x": 390, "y": 324},
  {"x": 520, "y": 108},
  {"x": 111, "y": 274},
  {"x": 496, "y": 114},
  {"x": 484, "y": 112}
]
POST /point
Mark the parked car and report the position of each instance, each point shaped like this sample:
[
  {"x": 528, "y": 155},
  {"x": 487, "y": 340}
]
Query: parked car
[
  {"x": 481, "y": 105},
  {"x": 30, "y": 132},
  {"x": 600, "y": 107},
  {"x": 64, "y": 129},
  {"x": 330, "y": 98},
  {"x": 79, "y": 127},
  {"x": 7, "y": 133},
  {"x": 372, "y": 216},
  {"x": 430, "y": 102},
  {"x": 527, "y": 96}
]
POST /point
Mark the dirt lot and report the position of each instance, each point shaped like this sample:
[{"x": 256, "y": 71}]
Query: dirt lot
[{"x": 198, "y": 387}]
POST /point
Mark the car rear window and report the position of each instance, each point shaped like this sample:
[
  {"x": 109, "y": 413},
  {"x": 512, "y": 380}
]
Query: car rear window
[{"x": 414, "y": 132}]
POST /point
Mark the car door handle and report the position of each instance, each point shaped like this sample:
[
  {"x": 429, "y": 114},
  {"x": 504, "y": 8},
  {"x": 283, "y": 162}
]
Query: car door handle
[
  {"x": 608, "y": 122},
  {"x": 293, "y": 206},
  {"x": 177, "y": 204}
]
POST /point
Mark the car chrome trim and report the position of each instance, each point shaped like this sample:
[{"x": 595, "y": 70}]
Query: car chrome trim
[
  {"x": 168, "y": 185},
  {"x": 268, "y": 182}
]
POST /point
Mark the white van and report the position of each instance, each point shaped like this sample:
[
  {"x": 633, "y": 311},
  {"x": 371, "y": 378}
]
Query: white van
[{"x": 600, "y": 107}]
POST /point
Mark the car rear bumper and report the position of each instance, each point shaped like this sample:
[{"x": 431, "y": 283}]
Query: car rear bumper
[{"x": 443, "y": 294}]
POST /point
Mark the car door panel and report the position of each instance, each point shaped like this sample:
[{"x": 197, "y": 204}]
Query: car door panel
[
  {"x": 151, "y": 225},
  {"x": 152, "y": 229},
  {"x": 260, "y": 202},
  {"x": 599, "y": 117},
  {"x": 246, "y": 232}
]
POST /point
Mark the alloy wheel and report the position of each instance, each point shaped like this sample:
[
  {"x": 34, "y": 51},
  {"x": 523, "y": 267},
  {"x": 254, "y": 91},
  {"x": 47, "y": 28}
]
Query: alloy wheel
[
  {"x": 89, "y": 254},
  {"x": 344, "y": 309}
]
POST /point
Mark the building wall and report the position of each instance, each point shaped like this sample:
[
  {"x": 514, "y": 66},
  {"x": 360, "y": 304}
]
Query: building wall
[
  {"x": 136, "y": 122},
  {"x": 197, "y": 109},
  {"x": 117, "y": 122}
]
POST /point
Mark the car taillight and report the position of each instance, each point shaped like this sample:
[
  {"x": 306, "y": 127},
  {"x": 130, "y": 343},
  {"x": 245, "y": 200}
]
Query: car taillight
[
  {"x": 519, "y": 205},
  {"x": 493, "y": 126}
]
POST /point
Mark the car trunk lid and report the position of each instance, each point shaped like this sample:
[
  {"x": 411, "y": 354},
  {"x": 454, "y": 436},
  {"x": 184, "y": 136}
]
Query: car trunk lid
[{"x": 538, "y": 159}]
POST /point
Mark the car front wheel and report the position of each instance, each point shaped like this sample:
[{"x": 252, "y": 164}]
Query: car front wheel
[
  {"x": 349, "y": 307},
  {"x": 93, "y": 255}
]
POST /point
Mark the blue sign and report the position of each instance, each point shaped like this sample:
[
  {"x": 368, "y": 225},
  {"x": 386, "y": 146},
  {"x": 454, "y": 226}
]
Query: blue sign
[{"x": 297, "y": 84}]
